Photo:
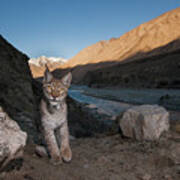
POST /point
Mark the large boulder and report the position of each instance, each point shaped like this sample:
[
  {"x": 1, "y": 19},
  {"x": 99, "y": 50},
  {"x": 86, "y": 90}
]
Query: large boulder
[
  {"x": 145, "y": 122},
  {"x": 17, "y": 97},
  {"x": 12, "y": 139}
]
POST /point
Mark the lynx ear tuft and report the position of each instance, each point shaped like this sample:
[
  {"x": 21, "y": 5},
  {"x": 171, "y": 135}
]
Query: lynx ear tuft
[
  {"x": 66, "y": 80},
  {"x": 47, "y": 75}
]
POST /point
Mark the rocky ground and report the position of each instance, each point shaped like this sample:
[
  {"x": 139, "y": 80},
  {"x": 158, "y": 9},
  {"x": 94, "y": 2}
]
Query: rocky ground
[{"x": 108, "y": 157}]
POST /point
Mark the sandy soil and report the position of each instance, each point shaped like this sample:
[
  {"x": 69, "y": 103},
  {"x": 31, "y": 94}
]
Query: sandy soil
[{"x": 105, "y": 157}]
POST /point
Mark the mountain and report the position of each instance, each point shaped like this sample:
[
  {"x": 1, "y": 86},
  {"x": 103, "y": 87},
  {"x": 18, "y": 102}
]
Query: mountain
[
  {"x": 156, "y": 37},
  {"x": 37, "y": 65},
  {"x": 157, "y": 71},
  {"x": 144, "y": 38}
]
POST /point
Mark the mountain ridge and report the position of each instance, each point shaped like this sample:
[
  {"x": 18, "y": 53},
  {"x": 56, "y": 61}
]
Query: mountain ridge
[{"x": 145, "y": 37}]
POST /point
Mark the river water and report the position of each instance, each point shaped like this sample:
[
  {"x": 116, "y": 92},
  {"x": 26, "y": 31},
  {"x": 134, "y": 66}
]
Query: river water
[
  {"x": 108, "y": 107},
  {"x": 114, "y": 101}
]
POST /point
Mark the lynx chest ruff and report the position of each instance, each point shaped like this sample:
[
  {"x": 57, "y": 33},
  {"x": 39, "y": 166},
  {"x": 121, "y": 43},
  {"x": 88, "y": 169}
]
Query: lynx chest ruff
[{"x": 53, "y": 117}]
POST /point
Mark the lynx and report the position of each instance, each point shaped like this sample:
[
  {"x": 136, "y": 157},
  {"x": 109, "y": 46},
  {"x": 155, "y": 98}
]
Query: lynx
[{"x": 54, "y": 116}]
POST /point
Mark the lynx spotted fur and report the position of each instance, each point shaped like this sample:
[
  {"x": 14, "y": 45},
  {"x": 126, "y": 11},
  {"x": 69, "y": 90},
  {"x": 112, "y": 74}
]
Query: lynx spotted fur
[{"x": 54, "y": 116}]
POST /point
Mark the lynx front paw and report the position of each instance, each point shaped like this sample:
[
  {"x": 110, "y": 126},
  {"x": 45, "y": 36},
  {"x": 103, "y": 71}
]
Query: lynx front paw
[
  {"x": 66, "y": 154},
  {"x": 56, "y": 160}
]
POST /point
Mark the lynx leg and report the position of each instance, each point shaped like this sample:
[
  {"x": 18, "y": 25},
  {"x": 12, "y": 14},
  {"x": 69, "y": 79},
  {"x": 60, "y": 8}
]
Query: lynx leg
[
  {"x": 66, "y": 152},
  {"x": 52, "y": 146}
]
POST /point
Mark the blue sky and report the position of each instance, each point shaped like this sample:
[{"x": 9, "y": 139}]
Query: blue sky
[{"x": 64, "y": 27}]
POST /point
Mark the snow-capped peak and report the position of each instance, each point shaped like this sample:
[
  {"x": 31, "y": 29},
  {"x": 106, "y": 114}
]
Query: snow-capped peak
[{"x": 42, "y": 60}]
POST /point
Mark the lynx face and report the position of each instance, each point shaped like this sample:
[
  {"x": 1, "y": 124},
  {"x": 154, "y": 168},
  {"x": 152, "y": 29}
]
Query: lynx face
[{"x": 55, "y": 90}]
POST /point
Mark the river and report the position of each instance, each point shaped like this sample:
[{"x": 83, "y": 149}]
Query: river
[{"x": 113, "y": 101}]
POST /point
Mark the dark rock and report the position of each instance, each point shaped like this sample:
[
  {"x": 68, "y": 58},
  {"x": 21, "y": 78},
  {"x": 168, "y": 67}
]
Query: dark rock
[
  {"x": 16, "y": 96},
  {"x": 84, "y": 122},
  {"x": 171, "y": 102}
]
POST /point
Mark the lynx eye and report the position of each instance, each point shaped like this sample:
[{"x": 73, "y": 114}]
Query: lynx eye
[
  {"x": 61, "y": 91},
  {"x": 48, "y": 88}
]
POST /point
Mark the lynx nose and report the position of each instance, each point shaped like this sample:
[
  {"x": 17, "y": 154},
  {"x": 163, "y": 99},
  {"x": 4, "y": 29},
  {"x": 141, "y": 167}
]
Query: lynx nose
[{"x": 55, "y": 95}]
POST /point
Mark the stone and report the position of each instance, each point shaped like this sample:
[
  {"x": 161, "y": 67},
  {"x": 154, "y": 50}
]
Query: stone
[
  {"x": 92, "y": 106},
  {"x": 41, "y": 151},
  {"x": 175, "y": 153},
  {"x": 145, "y": 122},
  {"x": 86, "y": 166},
  {"x": 72, "y": 138},
  {"x": 146, "y": 177},
  {"x": 168, "y": 177},
  {"x": 177, "y": 128},
  {"x": 12, "y": 139}
]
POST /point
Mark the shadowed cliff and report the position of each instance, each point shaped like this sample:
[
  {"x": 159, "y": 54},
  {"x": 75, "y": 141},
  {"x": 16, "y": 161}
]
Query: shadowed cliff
[{"x": 17, "y": 97}]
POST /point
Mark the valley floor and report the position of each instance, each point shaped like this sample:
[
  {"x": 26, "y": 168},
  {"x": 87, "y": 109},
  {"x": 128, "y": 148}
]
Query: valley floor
[
  {"x": 112, "y": 157},
  {"x": 107, "y": 157}
]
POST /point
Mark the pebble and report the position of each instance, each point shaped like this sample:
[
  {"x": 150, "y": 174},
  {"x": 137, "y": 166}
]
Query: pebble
[
  {"x": 72, "y": 138},
  {"x": 146, "y": 177},
  {"x": 177, "y": 127},
  {"x": 168, "y": 177},
  {"x": 41, "y": 151},
  {"x": 86, "y": 166},
  {"x": 102, "y": 160},
  {"x": 92, "y": 106},
  {"x": 178, "y": 169}
]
